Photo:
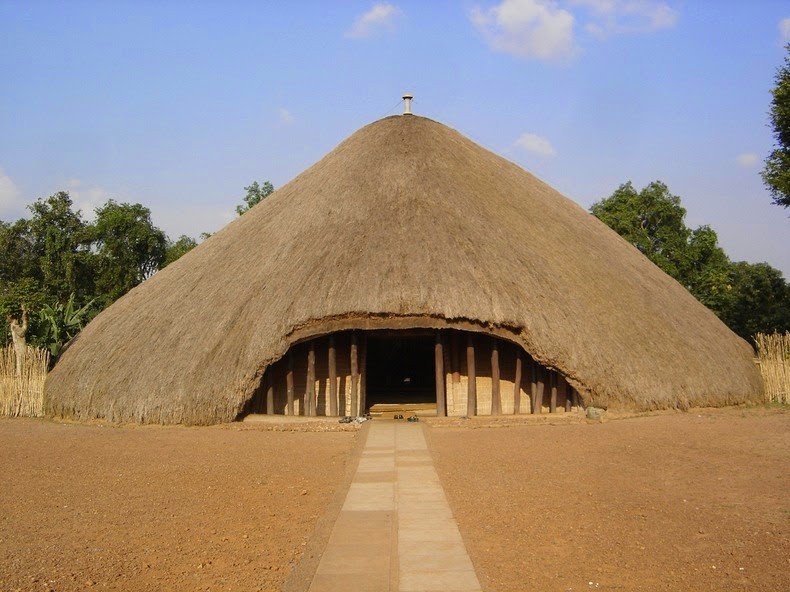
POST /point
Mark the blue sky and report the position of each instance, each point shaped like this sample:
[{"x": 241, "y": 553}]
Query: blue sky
[{"x": 179, "y": 105}]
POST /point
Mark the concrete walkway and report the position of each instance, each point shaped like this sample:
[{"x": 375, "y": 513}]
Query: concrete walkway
[{"x": 395, "y": 531}]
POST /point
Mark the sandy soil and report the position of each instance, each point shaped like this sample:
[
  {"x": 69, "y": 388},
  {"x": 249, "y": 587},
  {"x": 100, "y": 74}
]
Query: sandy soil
[
  {"x": 150, "y": 508},
  {"x": 692, "y": 501}
]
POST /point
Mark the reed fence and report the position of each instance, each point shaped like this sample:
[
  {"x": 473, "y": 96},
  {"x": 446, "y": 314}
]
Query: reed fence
[
  {"x": 773, "y": 356},
  {"x": 22, "y": 393}
]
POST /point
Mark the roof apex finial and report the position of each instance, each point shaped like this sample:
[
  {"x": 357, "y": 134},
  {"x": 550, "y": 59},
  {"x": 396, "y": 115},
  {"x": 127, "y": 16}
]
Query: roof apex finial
[{"x": 407, "y": 105}]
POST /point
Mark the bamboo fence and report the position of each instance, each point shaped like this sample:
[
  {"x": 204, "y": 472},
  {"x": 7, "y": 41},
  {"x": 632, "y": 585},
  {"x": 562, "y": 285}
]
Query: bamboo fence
[
  {"x": 773, "y": 356},
  {"x": 22, "y": 394}
]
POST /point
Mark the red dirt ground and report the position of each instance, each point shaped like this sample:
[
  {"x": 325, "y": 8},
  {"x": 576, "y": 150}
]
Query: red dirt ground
[
  {"x": 688, "y": 501},
  {"x": 150, "y": 508},
  {"x": 683, "y": 501}
]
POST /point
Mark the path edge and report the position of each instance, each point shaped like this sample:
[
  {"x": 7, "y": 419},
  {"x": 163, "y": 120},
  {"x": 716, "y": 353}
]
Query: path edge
[{"x": 302, "y": 574}]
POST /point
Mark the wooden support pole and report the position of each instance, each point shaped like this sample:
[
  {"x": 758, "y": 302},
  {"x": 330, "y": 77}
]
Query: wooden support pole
[
  {"x": 533, "y": 386},
  {"x": 575, "y": 396},
  {"x": 496, "y": 399},
  {"x": 455, "y": 349},
  {"x": 289, "y": 385},
  {"x": 517, "y": 384},
  {"x": 565, "y": 392},
  {"x": 363, "y": 374},
  {"x": 438, "y": 350},
  {"x": 354, "y": 376},
  {"x": 471, "y": 377},
  {"x": 332, "y": 361},
  {"x": 553, "y": 383},
  {"x": 268, "y": 379},
  {"x": 309, "y": 391},
  {"x": 540, "y": 374}
]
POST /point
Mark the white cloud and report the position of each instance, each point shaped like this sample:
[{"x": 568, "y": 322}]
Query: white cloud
[
  {"x": 627, "y": 16},
  {"x": 87, "y": 198},
  {"x": 376, "y": 20},
  {"x": 286, "y": 117},
  {"x": 527, "y": 28},
  {"x": 11, "y": 203},
  {"x": 536, "y": 144},
  {"x": 747, "y": 160},
  {"x": 784, "y": 29}
]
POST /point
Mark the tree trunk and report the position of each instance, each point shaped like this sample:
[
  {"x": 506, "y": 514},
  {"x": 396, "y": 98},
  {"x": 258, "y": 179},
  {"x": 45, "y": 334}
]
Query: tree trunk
[{"x": 18, "y": 332}]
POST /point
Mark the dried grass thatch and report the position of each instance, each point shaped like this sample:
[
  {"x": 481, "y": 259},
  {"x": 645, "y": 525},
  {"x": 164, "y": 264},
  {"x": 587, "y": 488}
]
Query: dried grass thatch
[
  {"x": 406, "y": 223},
  {"x": 773, "y": 355},
  {"x": 22, "y": 393}
]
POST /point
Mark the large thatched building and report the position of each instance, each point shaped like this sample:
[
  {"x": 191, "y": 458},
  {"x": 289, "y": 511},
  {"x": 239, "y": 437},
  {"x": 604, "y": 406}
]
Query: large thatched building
[{"x": 409, "y": 262}]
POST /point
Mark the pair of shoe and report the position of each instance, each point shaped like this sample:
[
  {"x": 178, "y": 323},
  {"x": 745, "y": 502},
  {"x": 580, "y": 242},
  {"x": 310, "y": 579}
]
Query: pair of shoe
[
  {"x": 413, "y": 418},
  {"x": 398, "y": 416},
  {"x": 345, "y": 419}
]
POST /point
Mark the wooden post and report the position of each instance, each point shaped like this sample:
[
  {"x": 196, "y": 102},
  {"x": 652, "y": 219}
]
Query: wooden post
[
  {"x": 354, "y": 376},
  {"x": 576, "y": 397},
  {"x": 553, "y": 383},
  {"x": 565, "y": 393},
  {"x": 517, "y": 384},
  {"x": 471, "y": 377},
  {"x": 540, "y": 375},
  {"x": 269, "y": 384},
  {"x": 438, "y": 350},
  {"x": 309, "y": 391},
  {"x": 455, "y": 348},
  {"x": 289, "y": 384},
  {"x": 363, "y": 374},
  {"x": 332, "y": 361},
  {"x": 533, "y": 385},
  {"x": 496, "y": 400}
]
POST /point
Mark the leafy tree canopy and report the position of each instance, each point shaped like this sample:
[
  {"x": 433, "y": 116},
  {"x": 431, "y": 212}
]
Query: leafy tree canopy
[
  {"x": 776, "y": 174},
  {"x": 175, "y": 250},
  {"x": 129, "y": 248},
  {"x": 653, "y": 220},
  {"x": 255, "y": 194},
  {"x": 747, "y": 297},
  {"x": 759, "y": 301}
]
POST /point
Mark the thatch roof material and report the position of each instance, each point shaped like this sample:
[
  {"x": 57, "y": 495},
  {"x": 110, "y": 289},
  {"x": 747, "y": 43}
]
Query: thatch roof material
[{"x": 407, "y": 222}]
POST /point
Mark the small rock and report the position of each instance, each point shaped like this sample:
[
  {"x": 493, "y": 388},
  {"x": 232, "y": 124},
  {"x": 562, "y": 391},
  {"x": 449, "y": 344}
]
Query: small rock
[{"x": 595, "y": 413}]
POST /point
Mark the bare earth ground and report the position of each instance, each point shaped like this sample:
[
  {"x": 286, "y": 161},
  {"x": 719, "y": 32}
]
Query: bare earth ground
[
  {"x": 150, "y": 508},
  {"x": 683, "y": 501},
  {"x": 689, "y": 501}
]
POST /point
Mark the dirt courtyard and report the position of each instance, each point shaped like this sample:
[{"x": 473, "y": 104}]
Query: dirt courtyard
[
  {"x": 677, "y": 501},
  {"x": 159, "y": 508},
  {"x": 681, "y": 501}
]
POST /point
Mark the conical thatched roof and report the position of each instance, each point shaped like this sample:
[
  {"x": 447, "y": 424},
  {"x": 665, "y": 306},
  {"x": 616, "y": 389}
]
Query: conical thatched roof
[{"x": 407, "y": 222}]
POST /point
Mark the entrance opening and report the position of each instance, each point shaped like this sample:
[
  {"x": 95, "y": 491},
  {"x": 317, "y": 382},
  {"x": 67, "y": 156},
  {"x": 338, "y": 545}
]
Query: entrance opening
[{"x": 400, "y": 368}]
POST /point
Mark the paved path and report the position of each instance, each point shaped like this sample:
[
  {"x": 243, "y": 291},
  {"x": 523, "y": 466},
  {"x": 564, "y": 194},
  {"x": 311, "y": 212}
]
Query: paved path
[{"x": 395, "y": 531}]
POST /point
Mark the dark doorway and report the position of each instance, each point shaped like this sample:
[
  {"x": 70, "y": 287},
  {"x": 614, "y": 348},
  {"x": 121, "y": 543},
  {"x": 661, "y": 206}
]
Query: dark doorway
[{"x": 400, "y": 369}]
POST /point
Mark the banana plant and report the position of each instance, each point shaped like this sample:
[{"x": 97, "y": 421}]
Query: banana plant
[{"x": 62, "y": 323}]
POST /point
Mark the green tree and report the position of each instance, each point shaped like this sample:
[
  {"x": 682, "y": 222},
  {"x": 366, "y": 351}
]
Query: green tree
[
  {"x": 749, "y": 298},
  {"x": 129, "y": 248},
  {"x": 61, "y": 246},
  {"x": 759, "y": 300},
  {"x": 176, "y": 250},
  {"x": 776, "y": 174},
  {"x": 17, "y": 257},
  {"x": 653, "y": 220},
  {"x": 255, "y": 195}
]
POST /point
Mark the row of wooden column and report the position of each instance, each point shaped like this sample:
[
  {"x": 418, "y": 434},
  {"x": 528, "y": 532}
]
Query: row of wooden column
[
  {"x": 541, "y": 379},
  {"x": 357, "y": 360}
]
